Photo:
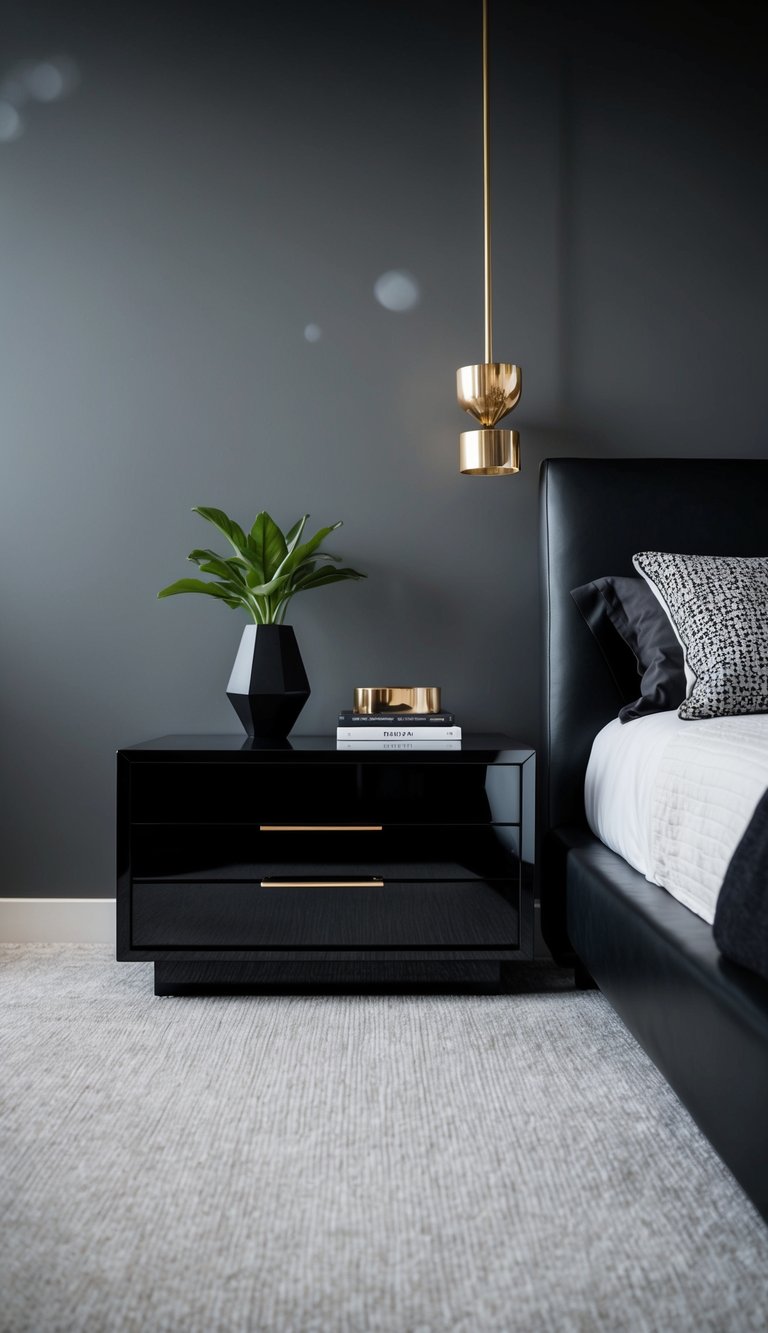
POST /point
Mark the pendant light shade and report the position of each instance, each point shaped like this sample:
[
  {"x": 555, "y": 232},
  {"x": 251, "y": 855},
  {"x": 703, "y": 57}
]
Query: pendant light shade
[
  {"x": 490, "y": 390},
  {"x": 489, "y": 453}
]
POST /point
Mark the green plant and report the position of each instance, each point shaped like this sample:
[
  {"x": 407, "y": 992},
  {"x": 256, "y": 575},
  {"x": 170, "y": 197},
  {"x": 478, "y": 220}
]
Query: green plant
[{"x": 268, "y": 568}]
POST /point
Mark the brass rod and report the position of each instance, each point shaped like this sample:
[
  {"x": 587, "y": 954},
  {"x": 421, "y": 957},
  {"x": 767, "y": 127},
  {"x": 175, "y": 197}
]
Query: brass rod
[
  {"x": 322, "y": 884},
  {"x": 487, "y": 194},
  {"x": 320, "y": 828}
]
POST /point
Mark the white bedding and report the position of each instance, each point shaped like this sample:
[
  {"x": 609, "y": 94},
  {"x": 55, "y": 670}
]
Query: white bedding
[{"x": 674, "y": 798}]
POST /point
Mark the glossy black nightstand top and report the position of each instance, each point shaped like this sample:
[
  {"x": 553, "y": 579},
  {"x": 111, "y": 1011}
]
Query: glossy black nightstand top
[{"x": 484, "y": 749}]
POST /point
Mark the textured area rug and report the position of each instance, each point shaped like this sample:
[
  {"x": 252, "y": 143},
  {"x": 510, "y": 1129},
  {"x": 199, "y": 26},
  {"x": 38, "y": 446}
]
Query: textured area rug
[{"x": 408, "y": 1164}]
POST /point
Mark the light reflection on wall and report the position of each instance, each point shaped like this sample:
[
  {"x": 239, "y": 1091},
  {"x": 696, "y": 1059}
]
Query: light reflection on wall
[
  {"x": 11, "y": 125},
  {"x": 33, "y": 81},
  {"x": 397, "y": 291}
]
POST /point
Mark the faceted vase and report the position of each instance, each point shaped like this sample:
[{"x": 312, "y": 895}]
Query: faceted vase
[{"x": 268, "y": 687}]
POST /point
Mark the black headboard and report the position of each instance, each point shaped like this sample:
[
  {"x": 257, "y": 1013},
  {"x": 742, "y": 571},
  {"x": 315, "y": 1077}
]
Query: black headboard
[{"x": 595, "y": 514}]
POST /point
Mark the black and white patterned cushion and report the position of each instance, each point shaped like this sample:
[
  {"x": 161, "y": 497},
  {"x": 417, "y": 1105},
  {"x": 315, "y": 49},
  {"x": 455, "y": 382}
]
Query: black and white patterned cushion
[{"x": 718, "y": 606}]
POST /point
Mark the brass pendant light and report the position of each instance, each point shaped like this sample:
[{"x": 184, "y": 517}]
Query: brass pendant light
[{"x": 489, "y": 391}]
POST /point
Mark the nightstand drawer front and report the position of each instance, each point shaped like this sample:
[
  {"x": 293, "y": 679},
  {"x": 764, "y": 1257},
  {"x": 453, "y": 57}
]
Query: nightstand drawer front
[
  {"x": 333, "y": 793},
  {"x": 245, "y": 852},
  {"x": 238, "y": 916}
]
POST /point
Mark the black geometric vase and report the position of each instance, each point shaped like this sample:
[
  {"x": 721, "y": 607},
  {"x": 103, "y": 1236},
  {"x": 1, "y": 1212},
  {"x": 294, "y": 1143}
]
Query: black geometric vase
[{"x": 268, "y": 687}]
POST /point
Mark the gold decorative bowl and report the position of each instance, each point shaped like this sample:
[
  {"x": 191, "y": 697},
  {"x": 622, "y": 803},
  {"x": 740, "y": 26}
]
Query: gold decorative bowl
[{"x": 397, "y": 699}]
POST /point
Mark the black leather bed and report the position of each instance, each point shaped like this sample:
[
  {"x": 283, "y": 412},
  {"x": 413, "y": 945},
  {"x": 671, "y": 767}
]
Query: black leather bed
[{"x": 702, "y": 1019}]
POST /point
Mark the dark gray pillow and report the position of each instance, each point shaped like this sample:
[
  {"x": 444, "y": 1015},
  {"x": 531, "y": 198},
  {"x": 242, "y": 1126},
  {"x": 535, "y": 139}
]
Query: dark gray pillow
[{"x": 635, "y": 637}]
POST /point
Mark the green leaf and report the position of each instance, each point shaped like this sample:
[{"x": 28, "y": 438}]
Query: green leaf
[
  {"x": 293, "y": 534},
  {"x": 231, "y": 571},
  {"x": 231, "y": 530},
  {"x": 266, "y": 547},
  {"x": 301, "y": 553},
  {"x": 320, "y": 577},
  {"x": 197, "y": 585},
  {"x": 235, "y": 590},
  {"x": 266, "y": 589}
]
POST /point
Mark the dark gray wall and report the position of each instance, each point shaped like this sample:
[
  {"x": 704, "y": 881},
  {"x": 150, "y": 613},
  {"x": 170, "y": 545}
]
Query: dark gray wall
[{"x": 211, "y": 187}]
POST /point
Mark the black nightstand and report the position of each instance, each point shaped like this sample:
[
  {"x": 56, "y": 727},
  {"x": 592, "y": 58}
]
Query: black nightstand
[{"x": 243, "y": 863}]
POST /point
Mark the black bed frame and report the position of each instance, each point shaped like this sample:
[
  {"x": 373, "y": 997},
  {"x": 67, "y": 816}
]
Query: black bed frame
[{"x": 702, "y": 1020}]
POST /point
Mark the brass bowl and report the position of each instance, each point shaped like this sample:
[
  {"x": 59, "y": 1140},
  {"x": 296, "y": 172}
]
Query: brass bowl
[
  {"x": 397, "y": 699},
  {"x": 488, "y": 392}
]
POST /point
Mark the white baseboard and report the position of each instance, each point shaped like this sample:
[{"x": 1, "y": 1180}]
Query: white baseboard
[{"x": 57, "y": 921}]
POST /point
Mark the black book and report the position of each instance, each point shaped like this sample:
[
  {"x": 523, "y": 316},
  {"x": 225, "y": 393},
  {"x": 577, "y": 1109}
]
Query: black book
[{"x": 349, "y": 719}]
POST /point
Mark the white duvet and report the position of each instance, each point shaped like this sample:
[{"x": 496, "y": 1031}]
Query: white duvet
[{"x": 674, "y": 798}]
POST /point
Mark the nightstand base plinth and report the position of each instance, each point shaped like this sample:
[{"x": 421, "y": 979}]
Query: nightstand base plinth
[{"x": 325, "y": 978}]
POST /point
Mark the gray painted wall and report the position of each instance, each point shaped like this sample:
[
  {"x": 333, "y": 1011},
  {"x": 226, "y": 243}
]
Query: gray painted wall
[{"x": 210, "y": 188}]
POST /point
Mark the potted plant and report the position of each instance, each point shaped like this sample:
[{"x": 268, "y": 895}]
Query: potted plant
[{"x": 268, "y": 686}]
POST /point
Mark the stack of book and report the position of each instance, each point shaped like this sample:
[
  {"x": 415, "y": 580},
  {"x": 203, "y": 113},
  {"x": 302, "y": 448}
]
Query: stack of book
[{"x": 397, "y": 731}]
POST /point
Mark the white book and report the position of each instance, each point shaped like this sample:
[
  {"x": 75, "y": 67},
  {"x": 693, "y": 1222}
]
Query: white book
[
  {"x": 419, "y": 746},
  {"x": 385, "y": 733}
]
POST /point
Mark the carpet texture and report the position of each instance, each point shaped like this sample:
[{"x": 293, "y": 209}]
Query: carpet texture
[{"x": 303, "y": 1164}]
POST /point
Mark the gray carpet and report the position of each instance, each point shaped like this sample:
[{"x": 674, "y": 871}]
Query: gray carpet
[{"x": 411, "y": 1164}]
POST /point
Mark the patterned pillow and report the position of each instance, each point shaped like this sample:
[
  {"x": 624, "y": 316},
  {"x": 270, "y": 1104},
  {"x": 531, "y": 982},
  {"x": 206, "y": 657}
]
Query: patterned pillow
[{"x": 718, "y": 606}]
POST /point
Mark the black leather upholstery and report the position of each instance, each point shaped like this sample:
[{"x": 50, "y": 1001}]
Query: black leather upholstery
[{"x": 703, "y": 1021}]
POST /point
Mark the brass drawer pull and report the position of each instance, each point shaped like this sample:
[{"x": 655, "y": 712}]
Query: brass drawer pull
[
  {"x": 322, "y": 884},
  {"x": 320, "y": 828}
]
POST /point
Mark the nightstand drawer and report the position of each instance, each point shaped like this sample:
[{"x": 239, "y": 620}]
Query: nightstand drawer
[
  {"x": 358, "y": 915},
  {"x": 320, "y": 793},
  {"x": 248, "y": 852}
]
